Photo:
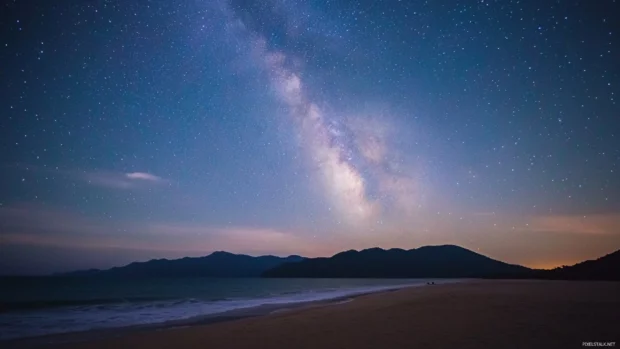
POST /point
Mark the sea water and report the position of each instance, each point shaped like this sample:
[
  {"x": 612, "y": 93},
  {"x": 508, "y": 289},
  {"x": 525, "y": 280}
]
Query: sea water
[{"x": 43, "y": 306}]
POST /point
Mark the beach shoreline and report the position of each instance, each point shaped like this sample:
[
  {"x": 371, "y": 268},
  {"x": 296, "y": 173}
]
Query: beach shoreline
[
  {"x": 476, "y": 313},
  {"x": 207, "y": 319}
]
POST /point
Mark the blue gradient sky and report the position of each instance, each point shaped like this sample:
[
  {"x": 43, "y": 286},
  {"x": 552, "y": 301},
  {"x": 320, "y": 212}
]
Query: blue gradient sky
[{"x": 148, "y": 129}]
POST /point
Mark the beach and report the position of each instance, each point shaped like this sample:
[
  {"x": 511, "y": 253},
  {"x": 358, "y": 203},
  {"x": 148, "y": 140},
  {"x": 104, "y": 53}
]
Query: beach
[{"x": 473, "y": 314}]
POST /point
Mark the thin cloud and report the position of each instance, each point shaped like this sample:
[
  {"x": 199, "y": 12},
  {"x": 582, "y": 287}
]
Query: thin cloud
[
  {"x": 484, "y": 214},
  {"x": 100, "y": 178},
  {"x": 107, "y": 179},
  {"x": 34, "y": 221},
  {"x": 29, "y": 224},
  {"x": 578, "y": 224},
  {"x": 143, "y": 176},
  {"x": 243, "y": 239},
  {"x": 120, "y": 180}
]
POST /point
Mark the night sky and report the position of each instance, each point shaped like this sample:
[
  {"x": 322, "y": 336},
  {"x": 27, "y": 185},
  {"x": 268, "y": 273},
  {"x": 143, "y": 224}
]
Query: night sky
[{"x": 133, "y": 129}]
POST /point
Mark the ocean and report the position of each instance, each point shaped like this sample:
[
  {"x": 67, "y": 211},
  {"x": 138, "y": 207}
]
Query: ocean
[{"x": 34, "y": 307}]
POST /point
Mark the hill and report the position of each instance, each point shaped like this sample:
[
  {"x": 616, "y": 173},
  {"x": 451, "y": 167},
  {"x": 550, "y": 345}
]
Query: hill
[
  {"x": 217, "y": 264},
  {"x": 445, "y": 261},
  {"x": 604, "y": 268}
]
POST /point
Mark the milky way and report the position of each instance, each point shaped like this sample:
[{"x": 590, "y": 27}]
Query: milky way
[{"x": 331, "y": 145}]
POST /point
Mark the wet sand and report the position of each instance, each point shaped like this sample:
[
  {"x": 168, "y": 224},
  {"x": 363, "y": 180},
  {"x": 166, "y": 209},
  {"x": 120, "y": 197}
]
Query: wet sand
[{"x": 475, "y": 314}]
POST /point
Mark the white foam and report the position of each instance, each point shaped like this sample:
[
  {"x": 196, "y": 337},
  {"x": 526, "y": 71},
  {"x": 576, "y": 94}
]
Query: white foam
[{"x": 76, "y": 319}]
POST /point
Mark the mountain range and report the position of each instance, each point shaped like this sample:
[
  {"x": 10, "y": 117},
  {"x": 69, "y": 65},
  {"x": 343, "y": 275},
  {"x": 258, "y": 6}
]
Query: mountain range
[
  {"x": 446, "y": 261},
  {"x": 217, "y": 264},
  {"x": 604, "y": 268}
]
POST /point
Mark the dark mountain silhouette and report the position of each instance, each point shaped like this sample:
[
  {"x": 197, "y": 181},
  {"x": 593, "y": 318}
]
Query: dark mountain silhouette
[
  {"x": 604, "y": 268},
  {"x": 445, "y": 261},
  {"x": 217, "y": 264}
]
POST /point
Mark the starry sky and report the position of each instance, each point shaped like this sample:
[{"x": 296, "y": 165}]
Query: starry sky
[{"x": 133, "y": 130}]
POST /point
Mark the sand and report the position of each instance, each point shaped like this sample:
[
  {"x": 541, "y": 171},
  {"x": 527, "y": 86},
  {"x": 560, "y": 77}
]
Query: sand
[{"x": 476, "y": 314}]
